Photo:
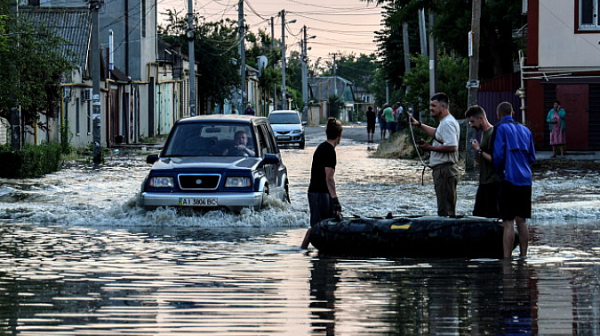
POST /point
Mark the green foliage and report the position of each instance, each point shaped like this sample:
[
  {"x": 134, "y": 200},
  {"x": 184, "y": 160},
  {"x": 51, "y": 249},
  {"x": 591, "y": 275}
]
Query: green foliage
[
  {"x": 32, "y": 70},
  {"x": 265, "y": 45},
  {"x": 335, "y": 105},
  {"x": 452, "y": 75},
  {"x": 359, "y": 70},
  {"x": 30, "y": 161},
  {"x": 499, "y": 20},
  {"x": 215, "y": 52},
  {"x": 65, "y": 138}
]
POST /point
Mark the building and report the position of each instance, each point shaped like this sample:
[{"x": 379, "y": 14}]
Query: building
[
  {"x": 137, "y": 99},
  {"x": 562, "y": 63},
  {"x": 322, "y": 88}
]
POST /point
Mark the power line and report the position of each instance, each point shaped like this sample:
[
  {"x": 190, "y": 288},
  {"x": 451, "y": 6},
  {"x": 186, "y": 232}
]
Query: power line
[{"x": 337, "y": 23}]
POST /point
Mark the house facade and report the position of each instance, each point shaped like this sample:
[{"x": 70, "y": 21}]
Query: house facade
[
  {"x": 321, "y": 88},
  {"x": 562, "y": 63},
  {"x": 142, "y": 93}
]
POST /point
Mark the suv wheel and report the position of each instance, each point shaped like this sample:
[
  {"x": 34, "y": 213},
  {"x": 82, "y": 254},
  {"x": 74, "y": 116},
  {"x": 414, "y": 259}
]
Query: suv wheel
[
  {"x": 265, "y": 197},
  {"x": 301, "y": 144}
]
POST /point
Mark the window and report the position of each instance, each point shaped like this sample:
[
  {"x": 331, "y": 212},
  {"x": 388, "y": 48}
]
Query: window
[
  {"x": 588, "y": 15},
  {"x": 143, "y": 18},
  {"x": 77, "y": 130},
  {"x": 89, "y": 117}
]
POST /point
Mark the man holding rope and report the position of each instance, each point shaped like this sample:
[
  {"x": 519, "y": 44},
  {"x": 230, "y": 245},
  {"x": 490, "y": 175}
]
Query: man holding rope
[{"x": 444, "y": 153}]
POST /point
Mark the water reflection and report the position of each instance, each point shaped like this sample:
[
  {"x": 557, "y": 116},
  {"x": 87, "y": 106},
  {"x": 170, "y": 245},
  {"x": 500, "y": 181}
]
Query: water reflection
[
  {"x": 435, "y": 297},
  {"x": 78, "y": 257}
]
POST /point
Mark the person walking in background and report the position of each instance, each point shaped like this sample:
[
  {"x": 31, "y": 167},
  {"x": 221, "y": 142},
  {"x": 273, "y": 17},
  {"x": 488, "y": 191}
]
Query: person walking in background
[
  {"x": 388, "y": 116},
  {"x": 371, "y": 117},
  {"x": 322, "y": 196},
  {"x": 249, "y": 110},
  {"x": 486, "y": 199},
  {"x": 558, "y": 126},
  {"x": 381, "y": 121},
  {"x": 513, "y": 153},
  {"x": 444, "y": 153},
  {"x": 398, "y": 117}
]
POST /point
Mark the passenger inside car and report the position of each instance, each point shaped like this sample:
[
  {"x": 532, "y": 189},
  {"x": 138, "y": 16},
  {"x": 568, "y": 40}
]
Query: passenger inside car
[{"x": 239, "y": 146}]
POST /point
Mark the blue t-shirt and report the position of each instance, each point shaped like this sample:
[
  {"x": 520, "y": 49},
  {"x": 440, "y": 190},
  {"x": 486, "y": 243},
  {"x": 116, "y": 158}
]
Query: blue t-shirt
[{"x": 513, "y": 152}]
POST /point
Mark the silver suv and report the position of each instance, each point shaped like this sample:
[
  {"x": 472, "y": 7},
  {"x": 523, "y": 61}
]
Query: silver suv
[{"x": 288, "y": 127}]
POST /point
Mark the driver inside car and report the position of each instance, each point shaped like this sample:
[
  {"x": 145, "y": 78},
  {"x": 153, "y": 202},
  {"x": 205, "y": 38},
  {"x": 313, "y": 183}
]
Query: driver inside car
[{"x": 239, "y": 146}]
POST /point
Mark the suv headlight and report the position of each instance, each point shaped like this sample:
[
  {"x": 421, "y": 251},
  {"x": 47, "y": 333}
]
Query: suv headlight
[
  {"x": 297, "y": 131},
  {"x": 161, "y": 182},
  {"x": 238, "y": 182}
]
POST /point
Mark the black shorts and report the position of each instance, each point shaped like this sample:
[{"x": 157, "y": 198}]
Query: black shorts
[
  {"x": 320, "y": 206},
  {"x": 514, "y": 201},
  {"x": 486, "y": 200},
  {"x": 370, "y": 127}
]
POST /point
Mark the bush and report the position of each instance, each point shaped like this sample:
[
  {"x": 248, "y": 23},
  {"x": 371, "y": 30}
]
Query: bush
[{"x": 30, "y": 161}]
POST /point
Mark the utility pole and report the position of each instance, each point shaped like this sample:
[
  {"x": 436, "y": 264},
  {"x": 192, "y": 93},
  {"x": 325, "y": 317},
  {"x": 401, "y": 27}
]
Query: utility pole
[
  {"x": 406, "y": 47},
  {"x": 432, "y": 56},
  {"x": 283, "y": 65},
  {"x": 473, "y": 83},
  {"x": 334, "y": 73},
  {"x": 15, "y": 116},
  {"x": 474, "y": 37},
  {"x": 94, "y": 6},
  {"x": 242, "y": 57},
  {"x": 273, "y": 47},
  {"x": 422, "y": 32},
  {"x": 304, "y": 70},
  {"x": 191, "y": 37}
]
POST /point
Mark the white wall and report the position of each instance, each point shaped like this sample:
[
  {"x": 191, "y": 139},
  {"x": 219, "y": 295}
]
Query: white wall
[{"x": 559, "y": 46}]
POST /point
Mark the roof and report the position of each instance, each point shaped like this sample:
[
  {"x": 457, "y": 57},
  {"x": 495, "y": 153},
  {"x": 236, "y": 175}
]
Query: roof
[
  {"x": 70, "y": 23},
  {"x": 223, "y": 118}
]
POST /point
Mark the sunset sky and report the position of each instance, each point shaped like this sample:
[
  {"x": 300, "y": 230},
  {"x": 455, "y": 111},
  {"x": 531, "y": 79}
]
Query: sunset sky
[{"x": 340, "y": 26}]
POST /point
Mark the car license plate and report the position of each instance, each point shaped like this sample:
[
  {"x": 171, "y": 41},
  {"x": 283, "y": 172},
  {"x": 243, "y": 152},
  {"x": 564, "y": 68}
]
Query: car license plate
[
  {"x": 194, "y": 201},
  {"x": 284, "y": 137}
]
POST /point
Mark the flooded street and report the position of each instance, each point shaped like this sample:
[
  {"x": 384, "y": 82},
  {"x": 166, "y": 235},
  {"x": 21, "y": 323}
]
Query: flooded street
[{"x": 78, "y": 257}]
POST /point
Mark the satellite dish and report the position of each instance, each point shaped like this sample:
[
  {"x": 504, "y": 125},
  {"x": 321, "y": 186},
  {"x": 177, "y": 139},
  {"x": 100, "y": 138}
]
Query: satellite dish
[{"x": 262, "y": 62}]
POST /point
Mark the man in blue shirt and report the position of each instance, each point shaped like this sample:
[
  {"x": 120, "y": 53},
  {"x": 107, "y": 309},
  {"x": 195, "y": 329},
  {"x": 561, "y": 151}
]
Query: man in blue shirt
[{"x": 512, "y": 154}]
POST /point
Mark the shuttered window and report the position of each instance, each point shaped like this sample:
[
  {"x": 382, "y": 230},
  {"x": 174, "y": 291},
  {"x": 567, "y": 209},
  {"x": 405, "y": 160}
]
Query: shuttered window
[{"x": 588, "y": 13}]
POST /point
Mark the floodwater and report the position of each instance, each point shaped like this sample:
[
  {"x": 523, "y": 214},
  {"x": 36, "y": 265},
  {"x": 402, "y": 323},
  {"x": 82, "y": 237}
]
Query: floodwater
[{"x": 77, "y": 257}]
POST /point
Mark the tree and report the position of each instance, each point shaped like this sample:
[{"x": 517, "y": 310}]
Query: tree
[
  {"x": 500, "y": 19},
  {"x": 32, "y": 69},
  {"x": 335, "y": 105},
  {"x": 359, "y": 70},
  {"x": 264, "y": 45},
  {"x": 452, "y": 76},
  {"x": 216, "y": 54}
]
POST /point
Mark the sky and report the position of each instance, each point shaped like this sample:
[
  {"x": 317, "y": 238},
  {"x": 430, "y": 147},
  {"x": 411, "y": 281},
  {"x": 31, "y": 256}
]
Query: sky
[{"x": 341, "y": 27}]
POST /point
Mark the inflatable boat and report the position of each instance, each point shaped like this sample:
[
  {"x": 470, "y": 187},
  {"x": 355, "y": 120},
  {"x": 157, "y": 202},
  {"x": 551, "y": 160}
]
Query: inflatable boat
[{"x": 426, "y": 236}]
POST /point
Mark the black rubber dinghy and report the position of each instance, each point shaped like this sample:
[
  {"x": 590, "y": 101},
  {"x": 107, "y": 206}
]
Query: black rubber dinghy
[{"x": 428, "y": 236}]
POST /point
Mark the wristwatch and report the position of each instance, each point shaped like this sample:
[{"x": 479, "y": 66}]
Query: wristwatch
[{"x": 479, "y": 151}]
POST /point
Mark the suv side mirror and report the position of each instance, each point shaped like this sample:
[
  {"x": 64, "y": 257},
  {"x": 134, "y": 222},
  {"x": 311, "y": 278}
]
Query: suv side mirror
[
  {"x": 151, "y": 158},
  {"x": 270, "y": 159},
  {"x": 304, "y": 123}
]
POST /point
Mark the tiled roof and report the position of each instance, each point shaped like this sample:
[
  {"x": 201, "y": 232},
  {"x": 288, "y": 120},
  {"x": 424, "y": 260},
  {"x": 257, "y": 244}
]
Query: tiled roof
[{"x": 71, "y": 23}]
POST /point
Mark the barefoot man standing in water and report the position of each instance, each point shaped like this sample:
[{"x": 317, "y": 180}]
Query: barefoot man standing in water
[{"x": 512, "y": 154}]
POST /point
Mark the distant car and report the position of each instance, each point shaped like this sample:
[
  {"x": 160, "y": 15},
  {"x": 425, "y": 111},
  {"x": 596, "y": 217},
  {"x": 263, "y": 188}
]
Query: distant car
[
  {"x": 288, "y": 127},
  {"x": 216, "y": 161}
]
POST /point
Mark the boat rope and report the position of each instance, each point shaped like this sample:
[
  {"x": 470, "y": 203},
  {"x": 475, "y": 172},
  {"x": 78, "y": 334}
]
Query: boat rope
[{"x": 412, "y": 135}]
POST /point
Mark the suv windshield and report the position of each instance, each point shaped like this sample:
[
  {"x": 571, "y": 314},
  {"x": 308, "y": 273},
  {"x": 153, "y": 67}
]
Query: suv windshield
[
  {"x": 211, "y": 139},
  {"x": 284, "y": 118}
]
